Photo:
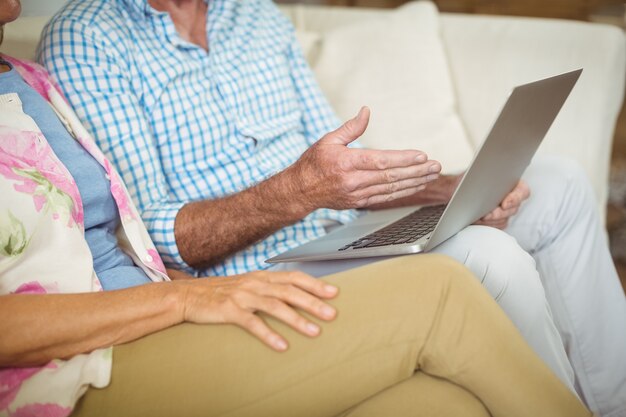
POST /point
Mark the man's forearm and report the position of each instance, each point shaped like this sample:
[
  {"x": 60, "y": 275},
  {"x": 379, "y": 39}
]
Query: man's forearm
[
  {"x": 209, "y": 231},
  {"x": 437, "y": 192}
]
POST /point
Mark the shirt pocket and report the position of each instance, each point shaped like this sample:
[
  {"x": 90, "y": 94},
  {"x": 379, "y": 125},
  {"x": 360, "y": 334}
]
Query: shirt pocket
[{"x": 266, "y": 100}]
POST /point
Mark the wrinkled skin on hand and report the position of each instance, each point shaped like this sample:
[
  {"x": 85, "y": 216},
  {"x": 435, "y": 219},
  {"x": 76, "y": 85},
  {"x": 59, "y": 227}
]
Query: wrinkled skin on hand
[
  {"x": 332, "y": 175},
  {"x": 238, "y": 299}
]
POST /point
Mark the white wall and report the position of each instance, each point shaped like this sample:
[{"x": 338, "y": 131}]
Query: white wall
[{"x": 41, "y": 7}]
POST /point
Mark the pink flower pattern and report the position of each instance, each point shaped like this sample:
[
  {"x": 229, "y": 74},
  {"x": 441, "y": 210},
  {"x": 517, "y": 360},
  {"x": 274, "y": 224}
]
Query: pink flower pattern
[
  {"x": 119, "y": 193},
  {"x": 157, "y": 262},
  {"x": 11, "y": 380},
  {"x": 35, "y": 287},
  {"x": 27, "y": 158},
  {"x": 42, "y": 410},
  {"x": 35, "y": 75}
]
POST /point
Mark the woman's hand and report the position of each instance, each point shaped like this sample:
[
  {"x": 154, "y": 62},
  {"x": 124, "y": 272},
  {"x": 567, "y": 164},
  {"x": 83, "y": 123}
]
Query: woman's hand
[{"x": 237, "y": 299}]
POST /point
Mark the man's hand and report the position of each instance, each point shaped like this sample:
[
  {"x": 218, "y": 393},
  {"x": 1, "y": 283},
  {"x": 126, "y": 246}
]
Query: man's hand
[
  {"x": 331, "y": 175},
  {"x": 327, "y": 175},
  {"x": 500, "y": 216}
]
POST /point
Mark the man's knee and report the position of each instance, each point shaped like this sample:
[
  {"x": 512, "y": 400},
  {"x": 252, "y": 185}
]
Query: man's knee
[
  {"x": 504, "y": 269},
  {"x": 560, "y": 182}
]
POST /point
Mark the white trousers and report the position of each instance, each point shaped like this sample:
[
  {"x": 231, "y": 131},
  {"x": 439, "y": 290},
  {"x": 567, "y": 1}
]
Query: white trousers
[{"x": 552, "y": 273}]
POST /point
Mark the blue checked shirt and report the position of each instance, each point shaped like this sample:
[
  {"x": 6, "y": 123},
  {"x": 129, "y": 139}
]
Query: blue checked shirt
[{"x": 181, "y": 124}]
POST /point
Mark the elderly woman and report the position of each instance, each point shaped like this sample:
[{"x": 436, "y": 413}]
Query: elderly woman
[{"x": 66, "y": 220}]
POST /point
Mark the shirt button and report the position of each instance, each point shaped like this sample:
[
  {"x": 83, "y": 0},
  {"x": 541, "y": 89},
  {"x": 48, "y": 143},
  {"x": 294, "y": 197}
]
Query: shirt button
[{"x": 149, "y": 258}]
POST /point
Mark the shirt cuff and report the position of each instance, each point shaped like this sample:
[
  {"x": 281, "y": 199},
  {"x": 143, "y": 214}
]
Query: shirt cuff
[{"x": 160, "y": 224}]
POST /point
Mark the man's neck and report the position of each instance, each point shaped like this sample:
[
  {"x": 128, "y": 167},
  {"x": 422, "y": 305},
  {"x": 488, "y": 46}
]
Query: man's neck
[{"x": 189, "y": 17}]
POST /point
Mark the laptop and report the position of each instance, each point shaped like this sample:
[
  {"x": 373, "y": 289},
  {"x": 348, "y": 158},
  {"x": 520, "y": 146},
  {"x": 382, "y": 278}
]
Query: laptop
[{"x": 495, "y": 170}]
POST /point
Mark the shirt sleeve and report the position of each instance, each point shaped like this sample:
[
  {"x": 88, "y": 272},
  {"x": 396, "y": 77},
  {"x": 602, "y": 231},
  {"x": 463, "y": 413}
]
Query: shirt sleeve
[{"x": 84, "y": 62}]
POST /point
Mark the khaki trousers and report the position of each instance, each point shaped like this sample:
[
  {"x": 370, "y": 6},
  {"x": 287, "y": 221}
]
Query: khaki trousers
[{"x": 424, "y": 313}]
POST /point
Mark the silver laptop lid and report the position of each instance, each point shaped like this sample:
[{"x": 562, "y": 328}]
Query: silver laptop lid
[{"x": 508, "y": 149}]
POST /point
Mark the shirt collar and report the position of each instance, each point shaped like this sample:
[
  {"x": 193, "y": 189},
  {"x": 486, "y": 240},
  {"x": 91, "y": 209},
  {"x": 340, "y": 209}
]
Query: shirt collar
[
  {"x": 143, "y": 7},
  {"x": 139, "y": 6}
]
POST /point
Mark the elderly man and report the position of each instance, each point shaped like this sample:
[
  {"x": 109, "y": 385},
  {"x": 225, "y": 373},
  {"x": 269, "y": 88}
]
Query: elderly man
[{"x": 211, "y": 114}]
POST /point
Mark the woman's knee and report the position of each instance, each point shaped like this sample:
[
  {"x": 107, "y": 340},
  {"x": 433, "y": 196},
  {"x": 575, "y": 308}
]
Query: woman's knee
[{"x": 421, "y": 394}]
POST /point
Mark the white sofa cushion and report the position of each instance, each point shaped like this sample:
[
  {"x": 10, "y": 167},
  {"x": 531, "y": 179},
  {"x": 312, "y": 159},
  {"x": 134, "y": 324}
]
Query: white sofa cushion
[
  {"x": 489, "y": 54},
  {"x": 21, "y": 36},
  {"x": 396, "y": 65}
]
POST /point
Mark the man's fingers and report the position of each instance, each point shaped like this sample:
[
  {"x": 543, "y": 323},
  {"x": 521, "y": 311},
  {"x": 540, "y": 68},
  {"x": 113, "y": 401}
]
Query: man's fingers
[
  {"x": 516, "y": 197},
  {"x": 385, "y": 198},
  {"x": 350, "y": 130},
  {"x": 373, "y": 159},
  {"x": 500, "y": 214},
  {"x": 498, "y": 224},
  {"x": 389, "y": 192},
  {"x": 405, "y": 177}
]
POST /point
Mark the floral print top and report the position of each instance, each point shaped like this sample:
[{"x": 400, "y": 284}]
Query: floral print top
[{"x": 42, "y": 244}]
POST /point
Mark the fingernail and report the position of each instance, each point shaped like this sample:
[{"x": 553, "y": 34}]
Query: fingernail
[
  {"x": 312, "y": 329},
  {"x": 434, "y": 168},
  {"x": 280, "y": 344},
  {"x": 331, "y": 289},
  {"x": 432, "y": 177},
  {"x": 360, "y": 113},
  {"x": 421, "y": 158},
  {"x": 328, "y": 311}
]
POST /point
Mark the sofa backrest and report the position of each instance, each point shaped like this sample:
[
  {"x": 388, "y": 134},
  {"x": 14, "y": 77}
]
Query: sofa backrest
[
  {"x": 21, "y": 37},
  {"x": 486, "y": 56}
]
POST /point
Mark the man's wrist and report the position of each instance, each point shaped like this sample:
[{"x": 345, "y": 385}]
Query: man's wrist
[{"x": 291, "y": 195}]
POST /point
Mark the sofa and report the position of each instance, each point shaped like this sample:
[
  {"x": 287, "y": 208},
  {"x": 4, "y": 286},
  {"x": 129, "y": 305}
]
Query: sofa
[{"x": 436, "y": 81}]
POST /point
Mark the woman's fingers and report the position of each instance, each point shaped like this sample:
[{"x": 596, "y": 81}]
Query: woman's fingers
[
  {"x": 257, "y": 327},
  {"x": 299, "y": 290},
  {"x": 237, "y": 300},
  {"x": 280, "y": 310},
  {"x": 299, "y": 298},
  {"x": 306, "y": 282},
  {"x": 251, "y": 303}
]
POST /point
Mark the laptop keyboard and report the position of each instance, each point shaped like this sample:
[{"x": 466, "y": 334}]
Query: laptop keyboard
[{"x": 408, "y": 229}]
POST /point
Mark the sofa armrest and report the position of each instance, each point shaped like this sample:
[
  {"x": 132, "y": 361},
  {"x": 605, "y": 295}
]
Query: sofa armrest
[{"x": 490, "y": 55}]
